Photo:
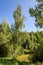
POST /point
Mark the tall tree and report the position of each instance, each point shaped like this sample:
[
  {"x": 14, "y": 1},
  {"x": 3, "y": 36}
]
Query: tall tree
[
  {"x": 4, "y": 32},
  {"x": 37, "y": 12},
  {"x": 4, "y": 37},
  {"x": 17, "y": 28},
  {"x": 19, "y": 19}
]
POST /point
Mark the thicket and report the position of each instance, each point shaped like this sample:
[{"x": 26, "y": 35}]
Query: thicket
[{"x": 13, "y": 41}]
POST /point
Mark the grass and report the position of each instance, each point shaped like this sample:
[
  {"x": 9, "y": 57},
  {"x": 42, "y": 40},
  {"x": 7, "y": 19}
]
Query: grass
[
  {"x": 8, "y": 62},
  {"x": 15, "y": 62}
]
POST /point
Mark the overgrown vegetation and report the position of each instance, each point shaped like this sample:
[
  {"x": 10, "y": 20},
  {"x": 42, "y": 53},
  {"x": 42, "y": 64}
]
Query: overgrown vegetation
[{"x": 14, "y": 42}]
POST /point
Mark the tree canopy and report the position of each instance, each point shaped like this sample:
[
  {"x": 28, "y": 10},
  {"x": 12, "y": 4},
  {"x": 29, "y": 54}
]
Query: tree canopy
[{"x": 37, "y": 12}]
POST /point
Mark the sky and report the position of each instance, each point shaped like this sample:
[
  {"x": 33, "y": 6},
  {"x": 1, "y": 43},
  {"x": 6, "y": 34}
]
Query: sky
[{"x": 7, "y": 7}]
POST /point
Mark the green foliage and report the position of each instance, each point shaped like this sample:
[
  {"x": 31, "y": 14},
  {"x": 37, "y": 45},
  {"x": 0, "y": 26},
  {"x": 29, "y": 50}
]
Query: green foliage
[
  {"x": 38, "y": 54},
  {"x": 20, "y": 50},
  {"x": 5, "y": 36},
  {"x": 12, "y": 38},
  {"x": 8, "y": 62},
  {"x": 18, "y": 18},
  {"x": 24, "y": 63},
  {"x": 15, "y": 62},
  {"x": 3, "y": 51},
  {"x": 5, "y": 32},
  {"x": 37, "y": 12}
]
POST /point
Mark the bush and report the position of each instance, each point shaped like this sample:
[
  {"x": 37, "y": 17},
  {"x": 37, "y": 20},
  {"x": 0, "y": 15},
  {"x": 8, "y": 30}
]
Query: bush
[
  {"x": 24, "y": 63},
  {"x": 3, "y": 50},
  {"x": 38, "y": 54}
]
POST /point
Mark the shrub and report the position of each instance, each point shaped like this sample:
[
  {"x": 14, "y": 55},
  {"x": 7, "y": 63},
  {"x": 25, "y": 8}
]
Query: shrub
[{"x": 3, "y": 50}]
